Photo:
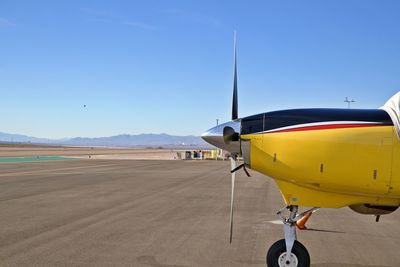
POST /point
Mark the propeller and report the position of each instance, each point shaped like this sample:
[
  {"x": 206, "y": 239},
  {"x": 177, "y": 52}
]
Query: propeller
[
  {"x": 233, "y": 176},
  {"x": 239, "y": 167},
  {"x": 235, "y": 97},
  {"x": 234, "y": 168},
  {"x": 230, "y": 135}
]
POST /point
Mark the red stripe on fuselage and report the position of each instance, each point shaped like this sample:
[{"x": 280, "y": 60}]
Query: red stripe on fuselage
[{"x": 327, "y": 127}]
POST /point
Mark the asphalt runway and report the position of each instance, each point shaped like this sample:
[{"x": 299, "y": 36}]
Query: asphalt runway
[{"x": 166, "y": 214}]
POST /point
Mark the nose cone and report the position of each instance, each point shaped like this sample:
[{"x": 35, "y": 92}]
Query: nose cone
[{"x": 224, "y": 136}]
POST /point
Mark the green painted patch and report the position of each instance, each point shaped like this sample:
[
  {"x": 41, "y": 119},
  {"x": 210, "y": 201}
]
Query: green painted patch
[{"x": 32, "y": 159}]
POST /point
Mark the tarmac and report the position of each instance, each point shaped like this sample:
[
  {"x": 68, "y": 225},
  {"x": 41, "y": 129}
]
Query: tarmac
[
  {"x": 15, "y": 151},
  {"x": 167, "y": 214}
]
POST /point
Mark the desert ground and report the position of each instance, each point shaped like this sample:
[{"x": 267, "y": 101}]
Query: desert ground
[{"x": 170, "y": 213}]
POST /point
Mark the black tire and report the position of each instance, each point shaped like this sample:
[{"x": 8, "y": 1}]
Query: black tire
[{"x": 279, "y": 247}]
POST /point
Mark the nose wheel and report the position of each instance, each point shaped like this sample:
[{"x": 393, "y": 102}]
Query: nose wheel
[
  {"x": 289, "y": 252},
  {"x": 277, "y": 255}
]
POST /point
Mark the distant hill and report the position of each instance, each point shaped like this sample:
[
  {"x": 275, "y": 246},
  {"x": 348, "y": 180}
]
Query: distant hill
[
  {"x": 18, "y": 138},
  {"x": 141, "y": 140},
  {"x": 124, "y": 140}
]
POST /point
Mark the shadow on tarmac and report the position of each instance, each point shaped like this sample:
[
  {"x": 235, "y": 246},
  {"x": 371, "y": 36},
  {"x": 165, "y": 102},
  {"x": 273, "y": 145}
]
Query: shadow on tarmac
[
  {"x": 326, "y": 231},
  {"x": 344, "y": 265}
]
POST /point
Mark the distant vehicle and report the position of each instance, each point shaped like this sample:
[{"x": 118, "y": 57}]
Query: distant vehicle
[{"x": 321, "y": 158}]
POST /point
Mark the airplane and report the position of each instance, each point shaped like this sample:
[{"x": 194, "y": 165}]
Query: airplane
[{"x": 318, "y": 157}]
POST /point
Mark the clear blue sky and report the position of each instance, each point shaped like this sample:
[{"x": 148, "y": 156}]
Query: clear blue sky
[{"x": 166, "y": 66}]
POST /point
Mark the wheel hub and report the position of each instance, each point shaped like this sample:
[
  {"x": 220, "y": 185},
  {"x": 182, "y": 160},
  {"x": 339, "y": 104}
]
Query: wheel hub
[{"x": 291, "y": 261}]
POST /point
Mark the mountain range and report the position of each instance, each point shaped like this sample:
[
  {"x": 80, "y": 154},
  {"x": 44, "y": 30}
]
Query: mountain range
[{"x": 123, "y": 140}]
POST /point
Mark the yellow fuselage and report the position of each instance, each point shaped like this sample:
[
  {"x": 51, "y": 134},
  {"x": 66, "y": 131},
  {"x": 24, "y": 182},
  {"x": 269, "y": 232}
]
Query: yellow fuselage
[{"x": 331, "y": 168}]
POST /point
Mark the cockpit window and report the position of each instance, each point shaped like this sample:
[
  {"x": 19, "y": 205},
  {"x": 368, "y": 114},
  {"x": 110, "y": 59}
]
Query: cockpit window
[
  {"x": 252, "y": 124},
  {"x": 277, "y": 119}
]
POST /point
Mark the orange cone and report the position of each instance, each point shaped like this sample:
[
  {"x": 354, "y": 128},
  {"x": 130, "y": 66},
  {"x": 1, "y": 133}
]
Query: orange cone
[{"x": 301, "y": 224}]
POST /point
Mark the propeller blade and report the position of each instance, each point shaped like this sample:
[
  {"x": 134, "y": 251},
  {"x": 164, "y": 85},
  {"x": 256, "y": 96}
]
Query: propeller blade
[
  {"x": 246, "y": 171},
  {"x": 233, "y": 176},
  {"x": 235, "y": 97},
  {"x": 239, "y": 167}
]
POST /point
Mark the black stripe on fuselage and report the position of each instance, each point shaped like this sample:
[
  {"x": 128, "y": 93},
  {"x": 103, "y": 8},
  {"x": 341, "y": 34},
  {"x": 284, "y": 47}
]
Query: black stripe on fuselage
[{"x": 283, "y": 118}]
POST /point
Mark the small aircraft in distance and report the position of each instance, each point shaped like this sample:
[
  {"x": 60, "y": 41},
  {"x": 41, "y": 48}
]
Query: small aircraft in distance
[{"x": 321, "y": 158}]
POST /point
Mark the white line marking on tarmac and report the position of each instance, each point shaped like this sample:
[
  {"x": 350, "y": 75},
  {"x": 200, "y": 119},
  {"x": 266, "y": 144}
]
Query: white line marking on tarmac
[{"x": 275, "y": 222}]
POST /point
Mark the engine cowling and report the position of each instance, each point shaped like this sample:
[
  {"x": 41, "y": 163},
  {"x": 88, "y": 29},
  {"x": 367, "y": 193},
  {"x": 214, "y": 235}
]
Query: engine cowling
[{"x": 372, "y": 209}]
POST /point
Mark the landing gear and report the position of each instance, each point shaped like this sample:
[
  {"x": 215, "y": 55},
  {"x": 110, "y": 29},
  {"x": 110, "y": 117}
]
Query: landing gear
[
  {"x": 289, "y": 252},
  {"x": 277, "y": 255}
]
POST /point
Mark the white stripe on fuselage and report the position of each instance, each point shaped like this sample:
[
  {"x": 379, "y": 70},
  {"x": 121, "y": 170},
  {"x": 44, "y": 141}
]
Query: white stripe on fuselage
[{"x": 317, "y": 124}]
